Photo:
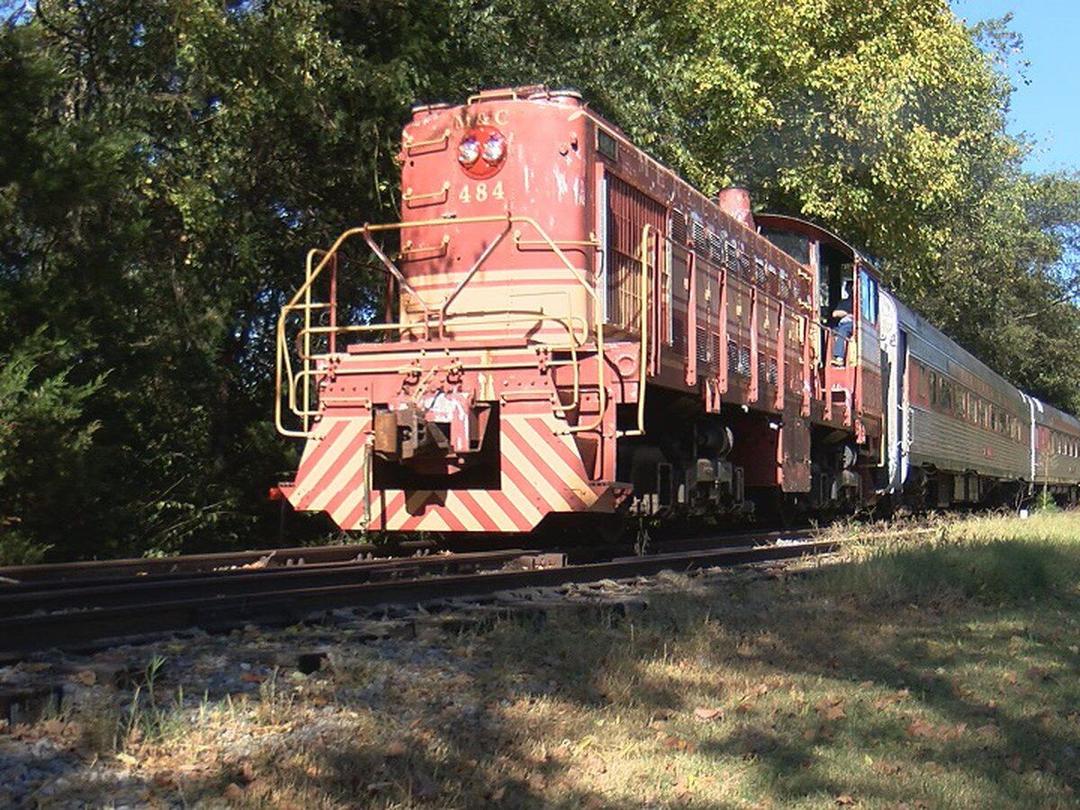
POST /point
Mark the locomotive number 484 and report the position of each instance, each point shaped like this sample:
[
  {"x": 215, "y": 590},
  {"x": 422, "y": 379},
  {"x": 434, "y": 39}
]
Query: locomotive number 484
[{"x": 480, "y": 192}]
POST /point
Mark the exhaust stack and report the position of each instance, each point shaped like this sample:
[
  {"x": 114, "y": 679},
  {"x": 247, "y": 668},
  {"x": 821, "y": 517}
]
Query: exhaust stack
[{"x": 735, "y": 201}]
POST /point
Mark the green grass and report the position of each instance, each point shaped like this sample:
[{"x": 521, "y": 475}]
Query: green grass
[
  {"x": 934, "y": 671},
  {"x": 994, "y": 560}
]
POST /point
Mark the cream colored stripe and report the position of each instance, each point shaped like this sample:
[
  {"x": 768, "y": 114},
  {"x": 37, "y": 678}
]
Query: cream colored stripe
[
  {"x": 315, "y": 442},
  {"x": 356, "y": 497},
  {"x": 459, "y": 510},
  {"x": 341, "y": 479},
  {"x": 393, "y": 520},
  {"x": 330, "y": 457},
  {"x": 557, "y": 275},
  {"x": 529, "y": 510},
  {"x": 534, "y": 476},
  {"x": 486, "y": 502},
  {"x": 567, "y": 474},
  {"x": 433, "y": 522},
  {"x": 347, "y": 506}
]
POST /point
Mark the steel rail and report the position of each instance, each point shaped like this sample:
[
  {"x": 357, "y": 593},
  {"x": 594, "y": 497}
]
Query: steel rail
[
  {"x": 115, "y": 577},
  {"x": 21, "y": 635},
  {"x": 141, "y": 566},
  {"x": 30, "y": 598}
]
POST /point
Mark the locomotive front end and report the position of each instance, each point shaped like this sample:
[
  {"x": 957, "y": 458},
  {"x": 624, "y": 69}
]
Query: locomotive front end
[{"x": 486, "y": 399}]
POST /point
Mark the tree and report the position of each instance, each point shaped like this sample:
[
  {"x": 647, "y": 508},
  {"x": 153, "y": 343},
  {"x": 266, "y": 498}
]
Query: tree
[
  {"x": 44, "y": 439},
  {"x": 165, "y": 166}
]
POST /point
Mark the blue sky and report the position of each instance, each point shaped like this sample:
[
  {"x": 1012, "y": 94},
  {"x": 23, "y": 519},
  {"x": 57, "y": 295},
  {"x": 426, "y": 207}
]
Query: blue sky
[{"x": 1047, "y": 108}]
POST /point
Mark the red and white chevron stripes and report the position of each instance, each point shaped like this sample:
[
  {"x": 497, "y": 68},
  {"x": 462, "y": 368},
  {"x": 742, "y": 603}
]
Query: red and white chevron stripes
[{"x": 541, "y": 472}]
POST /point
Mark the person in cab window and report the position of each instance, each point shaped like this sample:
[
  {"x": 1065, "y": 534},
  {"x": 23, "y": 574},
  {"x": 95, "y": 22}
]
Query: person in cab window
[{"x": 845, "y": 324}]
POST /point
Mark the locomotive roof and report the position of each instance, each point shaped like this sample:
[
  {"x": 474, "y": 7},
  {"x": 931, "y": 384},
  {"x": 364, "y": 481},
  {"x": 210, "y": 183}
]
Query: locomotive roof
[
  {"x": 539, "y": 92},
  {"x": 814, "y": 231}
]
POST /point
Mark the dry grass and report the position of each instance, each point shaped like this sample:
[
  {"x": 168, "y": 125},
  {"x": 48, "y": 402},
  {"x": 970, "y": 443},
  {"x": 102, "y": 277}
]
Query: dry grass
[{"x": 938, "y": 672}]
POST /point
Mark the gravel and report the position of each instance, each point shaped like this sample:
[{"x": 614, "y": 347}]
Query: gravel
[{"x": 48, "y": 755}]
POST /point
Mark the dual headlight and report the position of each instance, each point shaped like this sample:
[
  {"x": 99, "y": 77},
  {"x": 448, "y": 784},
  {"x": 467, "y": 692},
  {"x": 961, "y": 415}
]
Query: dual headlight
[{"x": 481, "y": 152}]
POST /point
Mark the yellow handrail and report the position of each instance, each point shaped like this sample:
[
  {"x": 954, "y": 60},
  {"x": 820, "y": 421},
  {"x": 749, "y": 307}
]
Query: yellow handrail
[
  {"x": 284, "y": 364},
  {"x": 643, "y": 334},
  {"x": 439, "y": 196},
  {"x": 569, "y": 322},
  {"x": 410, "y": 144},
  {"x": 408, "y": 251},
  {"x": 523, "y": 317},
  {"x": 526, "y": 244},
  {"x": 307, "y": 344}
]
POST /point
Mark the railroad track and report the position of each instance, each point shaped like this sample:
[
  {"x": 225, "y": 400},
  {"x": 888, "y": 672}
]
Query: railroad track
[
  {"x": 59, "y": 595},
  {"x": 199, "y": 563},
  {"x": 87, "y": 616},
  {"x": 101, "y": 571}
]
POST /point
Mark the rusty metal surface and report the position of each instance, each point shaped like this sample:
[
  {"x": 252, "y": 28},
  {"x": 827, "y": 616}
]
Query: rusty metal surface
[
  {"x": 24, "y": 600},
  {"x": 385, "y": 433},
  {"x": 20, "y": 635}
]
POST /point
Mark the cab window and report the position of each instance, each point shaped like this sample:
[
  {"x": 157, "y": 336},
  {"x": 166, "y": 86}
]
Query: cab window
[{"x": 868, "y": 296}]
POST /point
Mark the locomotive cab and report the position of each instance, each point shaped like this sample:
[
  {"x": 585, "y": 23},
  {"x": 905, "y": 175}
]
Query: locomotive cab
[{"x": 848, "y": 456}]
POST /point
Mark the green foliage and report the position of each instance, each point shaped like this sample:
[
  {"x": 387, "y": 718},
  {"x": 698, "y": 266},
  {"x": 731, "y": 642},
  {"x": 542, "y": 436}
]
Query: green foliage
[
  {"x": 18, "y": 549},
  {"x": 1044, "y": 502},
  {"x": 995, "y": 560},
  {"x": 44, "y": 441},
  {"x": 164, "y": 166},
  {"x": 884, "y": 122}
]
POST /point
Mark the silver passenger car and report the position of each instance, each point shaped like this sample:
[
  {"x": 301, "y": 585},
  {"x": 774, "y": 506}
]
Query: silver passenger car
[
  {"x": 954, "y": 426},
  {"x": 1055, "y": 448}
]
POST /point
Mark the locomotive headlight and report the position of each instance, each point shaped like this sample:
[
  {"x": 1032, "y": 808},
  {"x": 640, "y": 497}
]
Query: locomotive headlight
[
  {"x": 482, "y": 151},
  {"x": 494, "y": 148},
  {"x": 469, "y": 150}
]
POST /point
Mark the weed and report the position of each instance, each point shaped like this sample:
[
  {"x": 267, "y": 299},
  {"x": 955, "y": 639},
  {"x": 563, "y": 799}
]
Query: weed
[
  {"x": 275, "y": 703},
  {"x": 16, "y": 548},
  {"x": 147, "y": 719},
  {"x": 1045, "y": 502}
]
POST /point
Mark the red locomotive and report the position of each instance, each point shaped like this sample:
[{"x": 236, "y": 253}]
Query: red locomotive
[{"x": 572, "y": 328}]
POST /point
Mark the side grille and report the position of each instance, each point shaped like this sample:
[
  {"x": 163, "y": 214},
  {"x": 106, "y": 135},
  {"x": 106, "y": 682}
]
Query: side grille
[
  {"x": 716, "y": 249},
  {"x": 678, "y": 333},
  {"x": 678, "y": 227},
  {"x": 702, "y": 348},
  {"x": 701, "y": 240}
]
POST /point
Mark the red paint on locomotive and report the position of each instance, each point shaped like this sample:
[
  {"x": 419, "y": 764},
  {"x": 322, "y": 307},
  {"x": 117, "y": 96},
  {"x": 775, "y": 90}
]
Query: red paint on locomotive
[{"x": 572, "y": 328}]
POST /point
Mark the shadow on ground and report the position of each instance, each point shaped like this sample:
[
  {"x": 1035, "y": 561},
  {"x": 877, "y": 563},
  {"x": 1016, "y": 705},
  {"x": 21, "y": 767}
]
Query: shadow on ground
[{"x": 760, "y": 690}]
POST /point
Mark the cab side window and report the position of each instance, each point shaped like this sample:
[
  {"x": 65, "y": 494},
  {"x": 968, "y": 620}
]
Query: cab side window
[{"x": 868, "y": 296}]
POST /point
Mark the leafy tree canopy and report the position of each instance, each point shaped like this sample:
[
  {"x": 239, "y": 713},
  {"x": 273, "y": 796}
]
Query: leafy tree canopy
[{"x": 165, "y": 165}]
